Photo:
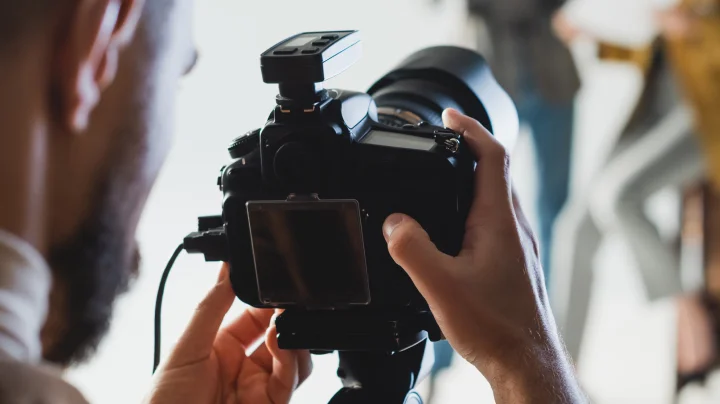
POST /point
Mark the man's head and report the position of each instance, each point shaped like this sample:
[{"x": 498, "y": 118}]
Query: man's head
[{"x": 87, "y": 111}]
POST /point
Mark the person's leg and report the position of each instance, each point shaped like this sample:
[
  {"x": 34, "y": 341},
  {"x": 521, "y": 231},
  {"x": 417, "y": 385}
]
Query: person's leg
[
  {"x": 552, "y": 129},
  {"x": 667, "y": 156},
  {"x": 577, "y": 240}
]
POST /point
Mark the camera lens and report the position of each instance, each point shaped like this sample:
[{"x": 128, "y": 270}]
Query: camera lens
[{"x": 434, "y": 79}]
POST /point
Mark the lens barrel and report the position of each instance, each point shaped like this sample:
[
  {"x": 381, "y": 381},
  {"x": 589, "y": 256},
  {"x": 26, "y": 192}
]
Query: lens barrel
[{"x": 433, "y": 79}]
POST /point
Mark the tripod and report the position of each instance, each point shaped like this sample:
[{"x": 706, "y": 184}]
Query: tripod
[
  {"x": 380, "y": 378},
  {"x": 382, "y": 353}
]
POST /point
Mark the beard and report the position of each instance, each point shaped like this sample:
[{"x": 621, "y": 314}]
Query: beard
[
  {"x": 97, "y": 264},
  {"x": 91, "y": 270}
]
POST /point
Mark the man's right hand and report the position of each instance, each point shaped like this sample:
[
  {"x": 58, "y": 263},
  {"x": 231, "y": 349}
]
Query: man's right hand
[{"x": 490, "y": 301}]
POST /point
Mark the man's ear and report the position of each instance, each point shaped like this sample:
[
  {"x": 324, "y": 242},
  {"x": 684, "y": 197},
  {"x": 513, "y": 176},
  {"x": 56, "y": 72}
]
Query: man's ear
[{"x": 88, "y": 53}]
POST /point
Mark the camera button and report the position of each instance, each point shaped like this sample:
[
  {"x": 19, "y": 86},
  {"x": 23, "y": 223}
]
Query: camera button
[
  {"x": 310, "y": 51},
  {"x": 245, "y": 144},
  {"x": 286, "y": 51},
  {"x": 320, "y": 43}
]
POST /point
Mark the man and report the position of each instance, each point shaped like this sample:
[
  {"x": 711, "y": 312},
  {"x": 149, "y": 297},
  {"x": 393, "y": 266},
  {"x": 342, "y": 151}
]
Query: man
[{"x": 88, "y": 88}]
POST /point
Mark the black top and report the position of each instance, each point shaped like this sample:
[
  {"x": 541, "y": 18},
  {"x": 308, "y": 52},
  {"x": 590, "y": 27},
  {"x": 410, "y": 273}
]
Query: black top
[
  {"x": 525, "y": 49},
  {"x": 514, "y": 10}
]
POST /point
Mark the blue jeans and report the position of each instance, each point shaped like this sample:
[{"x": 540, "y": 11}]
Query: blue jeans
[{"x": 551, "y": 125}]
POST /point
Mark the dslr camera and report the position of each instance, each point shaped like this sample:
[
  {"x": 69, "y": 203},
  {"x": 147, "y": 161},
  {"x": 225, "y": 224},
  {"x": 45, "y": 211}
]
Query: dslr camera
[{"x": 305, "y": 197}]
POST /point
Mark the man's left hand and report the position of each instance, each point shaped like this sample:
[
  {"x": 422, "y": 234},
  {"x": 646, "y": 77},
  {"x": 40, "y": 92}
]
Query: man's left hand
[{"x": 210, "y": 365}]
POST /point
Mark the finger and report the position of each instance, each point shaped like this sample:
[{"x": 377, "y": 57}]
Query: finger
[
  {"x": 285, "y": 377},
  {"x": 250, "y": 326},
  {"x": 492, "y": 175},
  {"x": 305, "y": 365},
  {"x": 235, "y": 340},
  {"x": 197, "y": 341},
  {"x": 263, "y": 358},
  {"x": 411, "y": 248}
]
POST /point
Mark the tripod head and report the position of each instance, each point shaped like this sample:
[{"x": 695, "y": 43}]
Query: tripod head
[{"x": 376, "y": 377}]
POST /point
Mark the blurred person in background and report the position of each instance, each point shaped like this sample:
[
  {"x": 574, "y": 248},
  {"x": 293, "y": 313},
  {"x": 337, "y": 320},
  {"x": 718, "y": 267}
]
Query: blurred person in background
[
  {"x": 657, "y": 150},
  {"x": 614, "y": 190},
  {"x": 692, "y": 32},
  {"x": 530, "y": 60},
  {"x": 87, "y": 102}
]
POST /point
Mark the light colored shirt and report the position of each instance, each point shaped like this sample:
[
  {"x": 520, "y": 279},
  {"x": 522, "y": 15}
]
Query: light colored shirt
[
  {"x": 624, "y": 22},
  {"x": 25, "y": 281},
  {"x": 24, "y": 289}
]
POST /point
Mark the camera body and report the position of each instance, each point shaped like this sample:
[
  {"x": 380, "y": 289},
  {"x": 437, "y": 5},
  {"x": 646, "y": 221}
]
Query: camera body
[{"x": 306, "y": 196}]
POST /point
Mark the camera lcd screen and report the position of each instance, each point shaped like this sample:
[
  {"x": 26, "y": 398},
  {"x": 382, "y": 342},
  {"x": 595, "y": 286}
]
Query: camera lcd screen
[
  {"x": 309, "y": 254},
  {"x": 300, "y": 41},
  {"x": 399, "y": 140}
]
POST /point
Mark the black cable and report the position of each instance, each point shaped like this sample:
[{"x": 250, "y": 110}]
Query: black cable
[{"x": 158, "y": 304}]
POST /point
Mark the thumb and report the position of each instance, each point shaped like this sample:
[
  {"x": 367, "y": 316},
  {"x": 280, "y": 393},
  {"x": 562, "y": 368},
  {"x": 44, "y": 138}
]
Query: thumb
[
  {"x": 411, "y": 248},
  {"x": 197, "y": 341}
]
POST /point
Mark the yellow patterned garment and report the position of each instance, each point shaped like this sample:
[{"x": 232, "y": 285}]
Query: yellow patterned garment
[
  {"x": 640, "y": 57},
  {"x": 696, "y": 62}
]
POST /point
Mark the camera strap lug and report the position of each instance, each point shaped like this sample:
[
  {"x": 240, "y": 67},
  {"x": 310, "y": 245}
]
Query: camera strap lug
[{"x": 448, "y": 139}]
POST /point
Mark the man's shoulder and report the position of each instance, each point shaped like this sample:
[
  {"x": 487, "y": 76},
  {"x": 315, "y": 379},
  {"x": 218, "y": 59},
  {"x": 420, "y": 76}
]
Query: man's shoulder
[{"x": 22, "y": 383}]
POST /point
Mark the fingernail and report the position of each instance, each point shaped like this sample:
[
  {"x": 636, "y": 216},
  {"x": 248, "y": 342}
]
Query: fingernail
[
  {"x": 391, "y": 223},
  {"x": 452, "y": 112},
  {"x": 449, "y": 114}
]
